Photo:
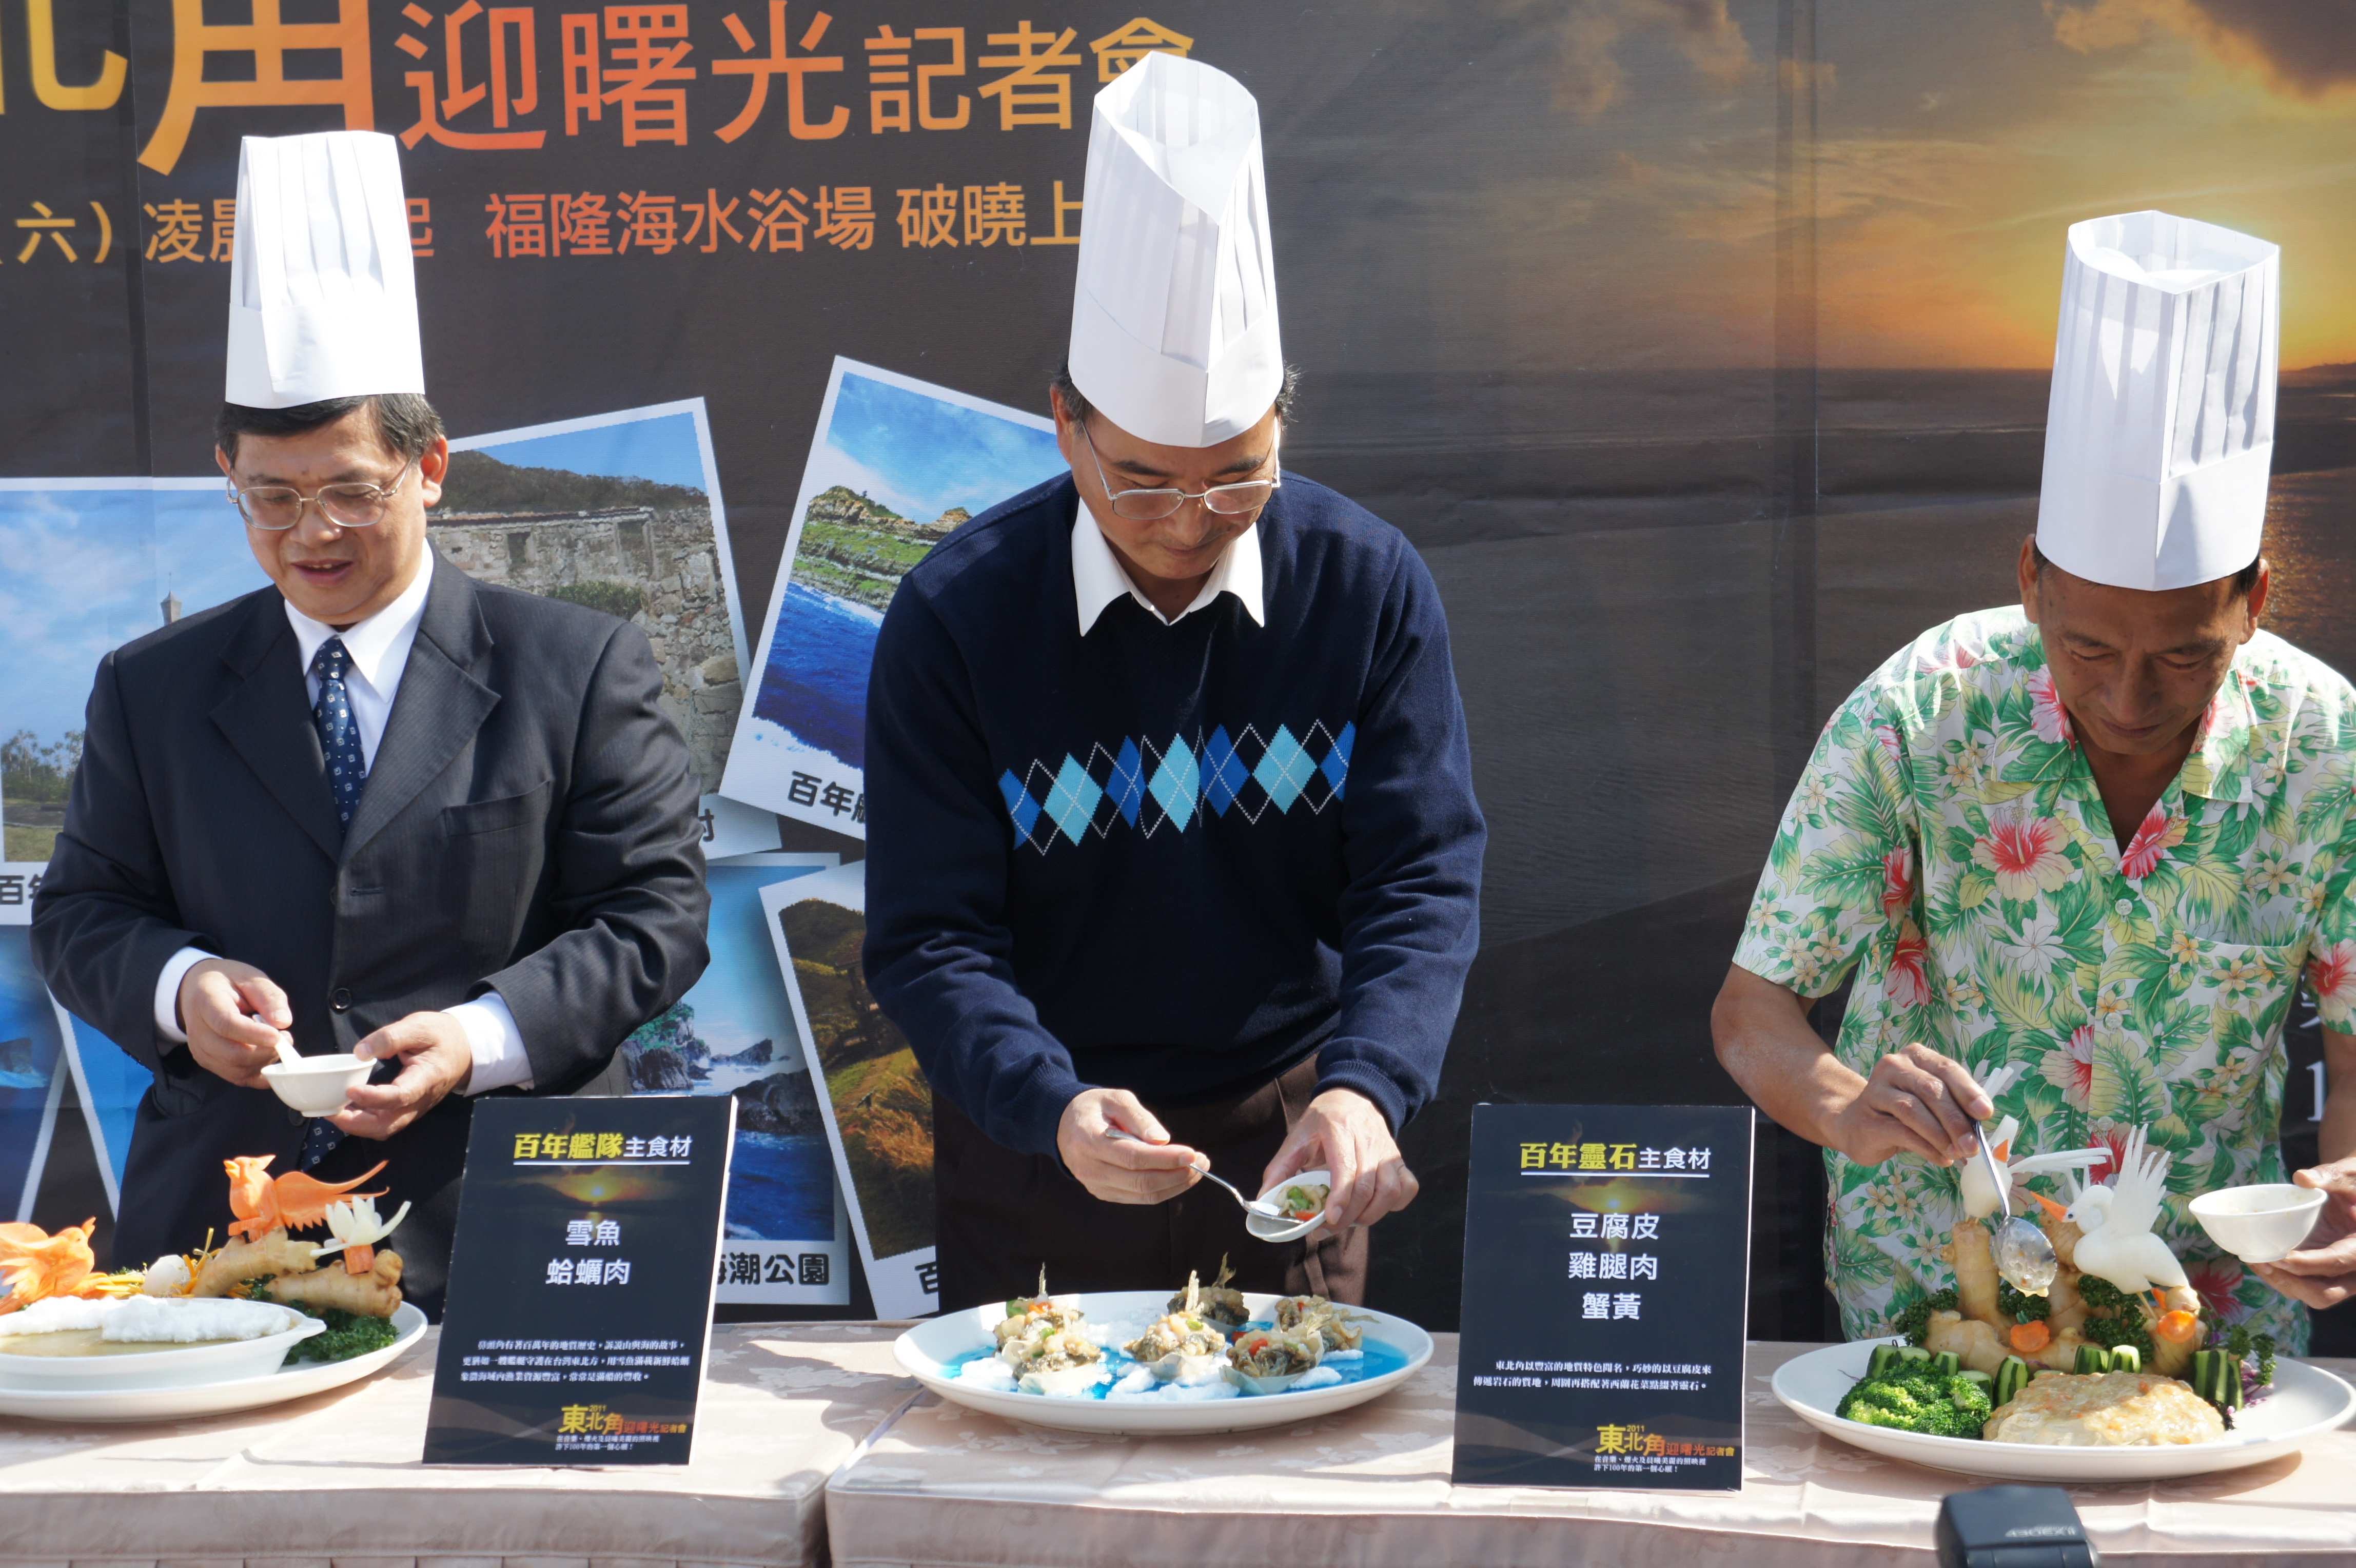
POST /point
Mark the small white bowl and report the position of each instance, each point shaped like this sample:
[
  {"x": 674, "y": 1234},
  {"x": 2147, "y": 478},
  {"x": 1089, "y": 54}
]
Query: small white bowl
[
  {"x": 2259, "y": 1224},
  {"x": 316, "y": 1085},
  {"x": 1269, "y": 1230}
]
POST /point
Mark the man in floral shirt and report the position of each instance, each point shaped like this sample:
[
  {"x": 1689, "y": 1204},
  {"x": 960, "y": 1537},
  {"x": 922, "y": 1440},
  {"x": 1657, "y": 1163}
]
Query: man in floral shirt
[{"x": 2100, "y": 835}]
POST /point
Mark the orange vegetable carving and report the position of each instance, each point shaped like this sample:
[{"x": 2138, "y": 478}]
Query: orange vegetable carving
[
  {"x": 298, "y": 1202},
  {"x": 36, "y": 1265},
  {"x": 2030, "y": 1337},
  {"x": 2177, "y": 1326}
]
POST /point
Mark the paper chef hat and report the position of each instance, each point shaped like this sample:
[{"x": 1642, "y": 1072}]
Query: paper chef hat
[
  {"x": 1173, "y": 320},
  {"x": 322, "y": 294},
  {"x": 2161, "y": 428}
]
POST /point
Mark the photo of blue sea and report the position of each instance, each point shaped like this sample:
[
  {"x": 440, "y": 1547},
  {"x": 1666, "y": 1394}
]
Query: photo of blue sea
[
  {"x": 28, "y": 1058},
  {"x": 913, "y": 458}
]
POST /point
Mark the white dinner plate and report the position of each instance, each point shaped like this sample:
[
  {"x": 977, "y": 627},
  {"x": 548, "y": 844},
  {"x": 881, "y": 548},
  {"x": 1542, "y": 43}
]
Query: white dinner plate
[
  {"x": 2306, "y": 1401},
  {"x": 296, "y": 1379},
  {"x": 165, "y": 1366},
  {"x": 929, "y": 1348}
]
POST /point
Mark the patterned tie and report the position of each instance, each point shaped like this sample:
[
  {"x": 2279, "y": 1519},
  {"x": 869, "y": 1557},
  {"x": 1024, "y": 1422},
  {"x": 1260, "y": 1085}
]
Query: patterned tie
[{"x": 339, "y": 739}]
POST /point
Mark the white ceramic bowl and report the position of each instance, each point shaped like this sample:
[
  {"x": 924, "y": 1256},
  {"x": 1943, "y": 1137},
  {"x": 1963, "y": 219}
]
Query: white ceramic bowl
[
  {"x": 2258, "y": 1224},
  {"x": 316, "y": 1085},
  {"x": 1268, "y": 1229},
  {"x": 167, "y": 1366}
]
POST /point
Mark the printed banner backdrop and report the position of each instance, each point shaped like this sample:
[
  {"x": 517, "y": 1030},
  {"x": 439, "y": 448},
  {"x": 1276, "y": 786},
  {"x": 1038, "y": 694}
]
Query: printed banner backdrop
[
  {"x": 1700, "y": 349},
  {"x": 896, "y": 467},
  {"x": 877, "y": 1105},
  {"x": 734, "y": 1033}
]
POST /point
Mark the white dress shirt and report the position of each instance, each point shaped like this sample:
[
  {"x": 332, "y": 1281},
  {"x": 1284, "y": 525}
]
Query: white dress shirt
[
  {"x": 379, "y": 648},
  {"x": 1098, "y": 578}
]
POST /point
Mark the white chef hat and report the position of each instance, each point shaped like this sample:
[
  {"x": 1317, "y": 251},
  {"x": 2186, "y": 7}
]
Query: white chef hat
[
  {"x": 2162, "y": 427},
  {"x": 1174, "y": 319},
  {"x": 322, "y": 293}
]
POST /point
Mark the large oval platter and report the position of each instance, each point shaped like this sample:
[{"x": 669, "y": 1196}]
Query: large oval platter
[
  {"x": 932, "y": 1351},
  {"x": 2306, "y": 1401},
  {"x": 185, "y": 1402}
]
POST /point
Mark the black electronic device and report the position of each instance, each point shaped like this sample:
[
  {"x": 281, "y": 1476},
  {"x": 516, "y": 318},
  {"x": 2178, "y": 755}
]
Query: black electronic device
[{"x": 2013, "y": 1527}]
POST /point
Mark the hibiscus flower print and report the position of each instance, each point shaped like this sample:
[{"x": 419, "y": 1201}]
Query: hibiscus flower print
[
  {"x": 2025, "y": 855},
  {"x": 1909, "y": 986},
  {"x": 2069, "y": 1068},
  {"x": 2214, "y": 1280},
  {"x": 2159, "y": 833},
  {"x": 2047, "y": 716},
  {"x": 2037, "y": 946},
  {"x": 1897, "y": 882},
  {"x": 2333, "y": 974}
]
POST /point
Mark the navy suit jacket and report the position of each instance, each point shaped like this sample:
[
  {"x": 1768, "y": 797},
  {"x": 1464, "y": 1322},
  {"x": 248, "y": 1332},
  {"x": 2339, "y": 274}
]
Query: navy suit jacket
[{"x": 529, "y": 826}]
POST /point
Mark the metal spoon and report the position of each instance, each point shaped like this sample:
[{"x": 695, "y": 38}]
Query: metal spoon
[{"x": 2023, "y": 1256}]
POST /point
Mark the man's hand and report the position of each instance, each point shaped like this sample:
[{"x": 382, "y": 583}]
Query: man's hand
[
  {"x": 1115, "y": 1169},
  {"x": 1345, "y": 1133},
  {"x": 1916, "y": 1103},
  {"x": 233, "y": 1014},
  {"x": 2322, "y": 1273},
  {"x": 436, "y": 1060}
]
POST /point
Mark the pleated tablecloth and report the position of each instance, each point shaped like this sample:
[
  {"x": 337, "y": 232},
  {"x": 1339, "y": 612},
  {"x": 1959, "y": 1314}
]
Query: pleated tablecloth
[
  {"x": 943, "y": 1487},
  {"x": 336, "y": 1479}
]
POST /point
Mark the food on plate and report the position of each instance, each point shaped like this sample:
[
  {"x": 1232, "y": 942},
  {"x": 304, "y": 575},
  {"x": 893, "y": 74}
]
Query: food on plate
[
  {"x": 2115, "y": 1221},
  {"x": 1276, "y": 1352},
  {"x": 1183, "y": 1347},
  {"x": 1304, "y": 1201},
  {"x": 1332, "y": 1323},
  {"x": 138, "y": 1325},
  {"x": 1058, "y": 1362},
  {"x": 219, "y": 1271},
  {"x": 375, "y": 1294},
  {"x": 1026, "y": 1313},
  {"x": 1220, "y": 1305},
  {"x": 1914, "y": 1391},
  {"x": 262, "y": 1262},
  {"x": 36, "y": 1266},
  {"x": 2106, "y": 1410}
]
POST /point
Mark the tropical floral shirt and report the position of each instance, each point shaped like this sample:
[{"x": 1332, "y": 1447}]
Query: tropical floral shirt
[{"x": 1948, "y": 846}]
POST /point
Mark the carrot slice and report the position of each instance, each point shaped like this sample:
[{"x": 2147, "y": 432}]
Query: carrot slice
[
  {"x": 2030, "y": 1337},
  {"x": 2177, "y": 1326}
]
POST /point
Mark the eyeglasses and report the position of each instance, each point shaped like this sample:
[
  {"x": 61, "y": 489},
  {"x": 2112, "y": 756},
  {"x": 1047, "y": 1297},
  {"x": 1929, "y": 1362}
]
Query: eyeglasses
[
  {"x": 1152, "y": 505},
  {"x": 278, "y": 507}
]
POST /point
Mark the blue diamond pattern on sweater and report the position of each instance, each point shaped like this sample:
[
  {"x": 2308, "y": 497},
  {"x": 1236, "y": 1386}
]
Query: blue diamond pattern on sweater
[
  {"x": 1178, "y": 782},
  {"x": 1019, "y": 804},
  {"x": 1283, "y": 768},
  {"x": 1127, "y": 784},
  {"x": 1336, "y": 765},
  {"x": 1224, "y": 772},
  {"x": 1072, "y": 801}
]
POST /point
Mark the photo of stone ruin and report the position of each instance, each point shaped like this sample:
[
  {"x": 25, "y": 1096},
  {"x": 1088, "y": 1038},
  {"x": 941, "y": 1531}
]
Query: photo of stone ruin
[{"x": 643, "y": 551}]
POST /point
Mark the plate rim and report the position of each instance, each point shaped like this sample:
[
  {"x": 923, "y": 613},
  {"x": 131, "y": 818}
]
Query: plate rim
[
  {"x": 2234, "y": 1448},
  {"x": 1204, "y": 1419},
  {"x": 343, "y": 1373}
]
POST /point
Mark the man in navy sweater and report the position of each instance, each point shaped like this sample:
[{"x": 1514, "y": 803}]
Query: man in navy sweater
[{"x": 1173, "y": 857}]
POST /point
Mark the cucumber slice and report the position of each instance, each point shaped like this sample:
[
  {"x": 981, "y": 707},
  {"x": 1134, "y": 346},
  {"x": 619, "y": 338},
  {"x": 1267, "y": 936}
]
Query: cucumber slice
[
  {"x": 2011, "y": 1377},
  {"x": 2125, "y": 1359},
  {"x": 2093, "y": 1358},
  {"x": 1982, "y": 1378},
  {"x": 1946, "y": 1363},
  {"x": 1884, "y": 1358},
  {"x": 1912, "y": 1353}
]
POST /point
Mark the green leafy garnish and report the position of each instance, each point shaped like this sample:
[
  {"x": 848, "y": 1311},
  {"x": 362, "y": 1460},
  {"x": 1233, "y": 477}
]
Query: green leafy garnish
[
  {"x": 1914, "y": 1323},
  {"x": 2019, "y": 1306},
  {"x": 348, "y": 1335}
]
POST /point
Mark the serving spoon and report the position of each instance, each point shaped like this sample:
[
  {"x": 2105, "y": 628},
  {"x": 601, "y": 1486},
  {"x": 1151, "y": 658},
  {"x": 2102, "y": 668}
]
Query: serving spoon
[
  {"x": 2024, "y": 1258},
  {"x": 1266, "y": 1218},
  {"x": 1258, "y": 1205}
]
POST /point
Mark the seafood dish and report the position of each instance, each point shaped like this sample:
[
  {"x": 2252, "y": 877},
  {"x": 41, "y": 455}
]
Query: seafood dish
[
  {"x": 1271, "y": 1360},
  {"x": 1332, "y": 1323},
  {"x": 1054, "y": 1362},
  {"x": 262, "y": 1271},
  {"x": 1221, "y": 1304},
  {"x": 138, "y": 1325},
  {"x": 1026, "y": 1314},
  {"x": 2117, "y": 1350},
  {"x": 1304, "y": 1201},
  {"x": 1183, "y": 1347},
  {"x": 2106, "y": 1409}
]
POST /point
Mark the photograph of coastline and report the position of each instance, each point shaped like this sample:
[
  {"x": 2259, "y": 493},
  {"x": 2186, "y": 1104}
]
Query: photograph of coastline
[
  {"x": 877, "y": 1106},
  {"x": 896, "y": 466},
  {"x": 30, "y": 1083},
  {"x": 734, "y": 1033}
]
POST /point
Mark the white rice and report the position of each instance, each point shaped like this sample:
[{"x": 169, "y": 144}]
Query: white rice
[
  {"x": 1069, "y": 1382},
  {"x": 147, "y": 1319},
  {"x": 1317, "y": 1378},
  {"x": 1174, "y": 1393},
  {"x": 989, "y": 1373},
  {"x": 59, "y": 1314},
  {"x": 1343, "y": 1355}
]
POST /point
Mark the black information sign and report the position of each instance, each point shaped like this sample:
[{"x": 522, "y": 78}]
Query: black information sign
[
  {"x": 581, "y": 1281},
  {"x": 1607, "y": 1254}
]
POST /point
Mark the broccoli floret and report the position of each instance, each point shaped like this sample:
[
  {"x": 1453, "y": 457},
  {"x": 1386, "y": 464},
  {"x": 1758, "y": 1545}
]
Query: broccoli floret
[
  {"x": 2020, "y": 1306},
  {"x": 1968, "y": 1403},
  {"x": 1914, "y": 1323},
  {"x": 1885, "y": 1401},
  {"x": 1914, "y": 1398}
]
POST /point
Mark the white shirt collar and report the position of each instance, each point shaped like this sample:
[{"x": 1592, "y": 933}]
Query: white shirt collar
[
  {"x": 1097, "y": 578},
  {"x": 379, "y": 645}
]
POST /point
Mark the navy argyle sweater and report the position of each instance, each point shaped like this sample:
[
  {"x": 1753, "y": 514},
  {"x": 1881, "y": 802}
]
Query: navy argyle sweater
[{"x": 1172, "y": 859}]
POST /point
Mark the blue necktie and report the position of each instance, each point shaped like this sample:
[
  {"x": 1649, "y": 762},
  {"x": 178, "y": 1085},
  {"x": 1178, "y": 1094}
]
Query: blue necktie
[{"x": 339, "y": 739}]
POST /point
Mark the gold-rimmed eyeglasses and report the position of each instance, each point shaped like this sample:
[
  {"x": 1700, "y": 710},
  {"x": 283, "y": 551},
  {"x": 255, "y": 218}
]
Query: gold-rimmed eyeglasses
[
  {"x": 278, "y": 507},
  {"x": 1152, "y": 505}
]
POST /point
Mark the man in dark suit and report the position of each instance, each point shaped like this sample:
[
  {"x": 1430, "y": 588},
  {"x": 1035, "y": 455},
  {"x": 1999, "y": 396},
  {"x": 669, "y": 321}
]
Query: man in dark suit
[{"x": 378, "y": 807}]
